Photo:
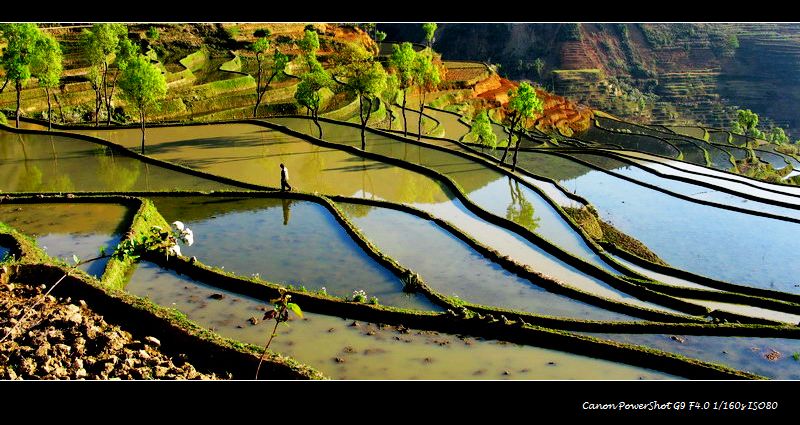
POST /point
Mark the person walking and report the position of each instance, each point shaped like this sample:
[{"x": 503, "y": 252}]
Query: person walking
[{"x": 285, "y": 178}]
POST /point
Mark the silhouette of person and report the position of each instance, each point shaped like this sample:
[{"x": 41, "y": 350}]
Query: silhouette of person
[{"x": 285, "y": 178}]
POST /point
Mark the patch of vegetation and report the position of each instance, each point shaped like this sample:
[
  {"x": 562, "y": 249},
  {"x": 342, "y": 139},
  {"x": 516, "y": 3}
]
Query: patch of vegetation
[
  {"x": 571, "y": 32},
  {"x": 152, "y": 33},
  {"x": 588, "y": 221},
  {"x": 233, "y": 32},
  {"x": 604, "y": 232},
  {"x": 752, "y": 167}
]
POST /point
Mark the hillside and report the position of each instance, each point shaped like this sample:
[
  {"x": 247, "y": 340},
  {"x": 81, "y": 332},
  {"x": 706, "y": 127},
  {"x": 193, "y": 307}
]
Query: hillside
[{"x": 649, "y": 73}]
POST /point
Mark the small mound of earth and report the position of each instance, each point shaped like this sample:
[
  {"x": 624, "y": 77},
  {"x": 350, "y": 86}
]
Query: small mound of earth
[{"x": 66, "y": 340}]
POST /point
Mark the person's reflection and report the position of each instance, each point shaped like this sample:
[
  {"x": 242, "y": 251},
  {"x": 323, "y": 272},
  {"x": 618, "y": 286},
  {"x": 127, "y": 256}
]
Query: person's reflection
[{"x": 287, "y": 210}]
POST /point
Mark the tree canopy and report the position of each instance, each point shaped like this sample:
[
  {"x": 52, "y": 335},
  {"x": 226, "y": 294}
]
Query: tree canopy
[
  {"x": 103, "y": 45},
  {"x": 523, "y": 103},
  {"x": 277, "y": 66},
  {"x": 482, "y": 130},
  {"x": 143, "y": 85},
  {"x": 308, "y": 92},
  {"x": 427, "y": 77},
  {"x": 19, "y": 55},
  {"x": 430, "y": 29},
  {"x": 360, "y": 73},
  {"x": 402, "y": 64},
  {"x": 47, "y": 67}
]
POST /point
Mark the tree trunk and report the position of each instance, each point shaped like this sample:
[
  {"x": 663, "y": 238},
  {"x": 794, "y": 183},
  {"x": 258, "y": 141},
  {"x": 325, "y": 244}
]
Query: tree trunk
[
  {"x": 111, "y": 96},
  {"x": 98, "y": 103},
  {"x": 516, "y": 149},
  {"x": 60, "y": 109},
  {"x": 405, "y": 123},
  {"x": 364, "y": 126},
  {"x": 142, "y": 118},
  {"x": 510, "y": 137},
  {"x": 315, "y": 114},
  {"x": 363, "y": 123},
  {"x": 259, "y": 92},
  {"x": 105, "y": 90},
  {"x": 49, "y": 110},
  {"x": 421, "y": 108},
  {"x": 19, "y": 89}
]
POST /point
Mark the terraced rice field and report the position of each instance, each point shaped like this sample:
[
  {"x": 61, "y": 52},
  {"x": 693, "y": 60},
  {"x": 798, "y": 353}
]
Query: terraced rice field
[{"x": 472, "y": 270}]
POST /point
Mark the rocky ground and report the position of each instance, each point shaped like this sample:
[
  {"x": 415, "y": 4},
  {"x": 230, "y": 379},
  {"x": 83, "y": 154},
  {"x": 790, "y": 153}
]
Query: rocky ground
[{"x": 65, "y": 339}]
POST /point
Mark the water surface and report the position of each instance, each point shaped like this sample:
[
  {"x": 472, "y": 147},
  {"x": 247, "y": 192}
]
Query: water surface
[
  {"x": 285, "y": 241},
  {"x": 369, "y": 351},
  {"x": 64, "y": 230}
]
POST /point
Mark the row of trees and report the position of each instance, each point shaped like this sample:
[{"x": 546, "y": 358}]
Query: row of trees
[
  {"x": 113, "y": 61},
  {"x": 355, "y": 70},
  {"x": 29, "y": 53},
  {"x": 746, "y": 124}
]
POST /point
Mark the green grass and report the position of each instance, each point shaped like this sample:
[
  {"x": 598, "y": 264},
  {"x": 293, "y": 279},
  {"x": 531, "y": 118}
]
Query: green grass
[
  {"x": 233, "y": 65},
  {"x": 196, "y": 60},
  {"x": 221, "y": 87}
]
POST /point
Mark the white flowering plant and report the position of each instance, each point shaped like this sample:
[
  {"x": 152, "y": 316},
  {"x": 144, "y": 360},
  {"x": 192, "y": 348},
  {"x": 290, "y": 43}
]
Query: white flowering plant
[
  {"x": 360, "y": 296},
  {"x": 130, "y": 247},
  {"x": 157, "y": 240}
]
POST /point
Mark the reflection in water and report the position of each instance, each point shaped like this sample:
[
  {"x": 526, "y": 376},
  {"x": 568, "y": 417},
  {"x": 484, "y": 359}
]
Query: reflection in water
[
  {"x": 240, "y": 151},
  {"x": 483, "y": 185},
  {"x": 252, "y": 153},
  {"x": 287, "y": 210},
  {"x": 520, "y": 210},
  {"x": 751, "y": 354},
  {"x": 50, "y": 163},
  {"x": 342, "y": 350},
  {"x": 256, "y": 237},
  {"x": 453, "y": 268},
  {"x": 722, "y": 244},
  {"x": 692, "y": 190},
  {"x": 64, "y": 230}
]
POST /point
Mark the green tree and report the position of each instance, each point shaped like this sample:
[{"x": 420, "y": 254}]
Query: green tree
[
  {"x": 522, "y": 104},
  {"x": 47, "y": 68},
  {"x": 359, "y": 72},
  {"x": 427, "y": 77},
  {"x": 152, "y": 33},
  {"x": 746, "y": 124},
  {"x": 402, "y": 61},
  {"x": 278, "y": 66},
  {"x": 379, "y": 37},
  {"x": 143, "y": 86},
  {"x": 390, "y": 93},
  {"x": 18, "y": 55},
  {"x": 104, "y": 45},
  {"x": 307, "y": 93},
  {"x": 430, "y": 29},
  {"x": 732, "y": 42},
  {"x": 309, "y": 44},
  {"x": 482, "y": 130},
  {"x": 778, "y": 136}
]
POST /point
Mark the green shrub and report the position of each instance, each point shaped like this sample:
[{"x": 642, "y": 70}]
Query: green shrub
[{"x": 152, "y": 33}]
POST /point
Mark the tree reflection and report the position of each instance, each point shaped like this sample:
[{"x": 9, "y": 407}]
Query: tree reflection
[
  {"x": 114, "y": 175},
  {"x": 520, "y": 210}
]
